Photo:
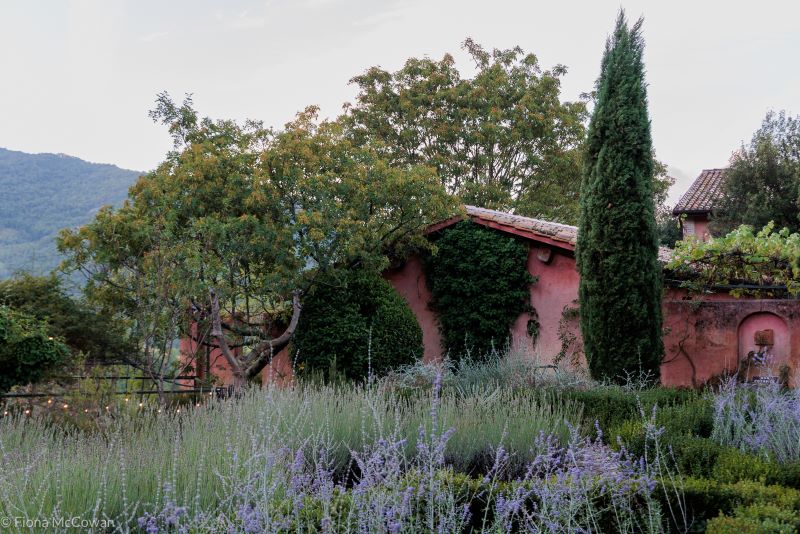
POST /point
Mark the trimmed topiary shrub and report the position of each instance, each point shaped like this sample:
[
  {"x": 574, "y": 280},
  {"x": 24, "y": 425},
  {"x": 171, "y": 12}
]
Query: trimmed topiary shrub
[
  {"x": 756, "y": 519},
  {"x": 479, "y": 284},
  {"x": 355, "y": 325}
]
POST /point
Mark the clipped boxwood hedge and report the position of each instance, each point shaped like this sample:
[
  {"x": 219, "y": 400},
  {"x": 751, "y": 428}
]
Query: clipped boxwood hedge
[{"x": 353, "y": 325}]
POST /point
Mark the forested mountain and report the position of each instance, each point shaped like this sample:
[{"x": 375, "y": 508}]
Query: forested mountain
[{"x": 42, "y": 193}]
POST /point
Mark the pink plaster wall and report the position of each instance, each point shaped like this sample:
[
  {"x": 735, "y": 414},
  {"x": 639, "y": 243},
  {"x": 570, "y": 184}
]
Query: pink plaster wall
[
  {"x": 700, "y": 225},
  {"x": 707, "y": 337},
  {"x": 555, "y": 290},
  {"x": 409, "y": 281},
  {"x": 703, "y": 337}
]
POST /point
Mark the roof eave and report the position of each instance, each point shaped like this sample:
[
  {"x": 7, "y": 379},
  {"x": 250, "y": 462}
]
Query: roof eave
[
  {"x": 691, "y": 212},
  {"x": 508, "y": 229}
]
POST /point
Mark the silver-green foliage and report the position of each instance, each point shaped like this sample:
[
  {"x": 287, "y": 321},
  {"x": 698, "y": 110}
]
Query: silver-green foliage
[{"x": 198, "y": 462}]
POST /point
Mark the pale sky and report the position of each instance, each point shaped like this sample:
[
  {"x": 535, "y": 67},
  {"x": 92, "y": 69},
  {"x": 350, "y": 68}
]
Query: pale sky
[{"x": 78, "y": 77}]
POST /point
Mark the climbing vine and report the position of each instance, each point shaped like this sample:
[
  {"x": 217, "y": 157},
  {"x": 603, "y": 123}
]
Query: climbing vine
[
  {"x": 480, "y": 284},
  {"x": 571, "y": 347},
  {"x": 745, "y": 262}
]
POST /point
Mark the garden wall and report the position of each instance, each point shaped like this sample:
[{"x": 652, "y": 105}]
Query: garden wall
[
  {"x": 713, "y": 334},
  {"x": 704, "y": 336}
]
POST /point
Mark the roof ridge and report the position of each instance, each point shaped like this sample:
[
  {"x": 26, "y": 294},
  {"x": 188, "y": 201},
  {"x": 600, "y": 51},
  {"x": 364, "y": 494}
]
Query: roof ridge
[{"x": 469, "y": 207}]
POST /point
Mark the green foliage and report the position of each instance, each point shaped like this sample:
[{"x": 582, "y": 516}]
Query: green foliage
[
  {"x": 756, "y": 519},
  {"x": 27, "y": 351},
  {"x": 669, "y": 227},
  {"x": 766, "y": 259},
  {"x": 84, "y": 330},
  {"x": 612, "y": 406},
  {"x": 762, "y": 183},
  {"x": 502, "y": 139},
  {"x": 356, "y": 324},
  {"x": 733, "y": 465},
  {"x": 42, "y": 193},
  {"x": 707, "y": 498},
  {"x": 617, "y": 252},
  {"x": 479, "y": 284},
  {"x": 238, "y": 220}
]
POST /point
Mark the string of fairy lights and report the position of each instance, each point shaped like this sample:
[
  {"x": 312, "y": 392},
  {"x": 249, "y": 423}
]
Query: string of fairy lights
[{"x": 108, "y": 408}]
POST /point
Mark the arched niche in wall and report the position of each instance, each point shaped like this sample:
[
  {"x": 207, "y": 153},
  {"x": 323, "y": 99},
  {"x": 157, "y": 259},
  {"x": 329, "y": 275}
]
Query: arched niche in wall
[{"x": 764, "y": 346}]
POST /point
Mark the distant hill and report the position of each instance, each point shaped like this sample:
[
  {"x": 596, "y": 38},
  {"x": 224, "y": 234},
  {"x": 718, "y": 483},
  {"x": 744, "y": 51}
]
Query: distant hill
[{"x": 43, "y": 193}]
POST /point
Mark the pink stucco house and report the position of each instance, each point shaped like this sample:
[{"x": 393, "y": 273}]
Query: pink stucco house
[{"x": 704, "y": 335}]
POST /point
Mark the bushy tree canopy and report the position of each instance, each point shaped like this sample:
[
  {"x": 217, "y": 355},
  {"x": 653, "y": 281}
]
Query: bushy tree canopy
[
  {"x": 617, "y": 253},
  {"x": 357, "y": 324},
  {"x": 762, "y": 183},
  {"x": 83, "y": 329},
  {"x": 502, "y": 139}
]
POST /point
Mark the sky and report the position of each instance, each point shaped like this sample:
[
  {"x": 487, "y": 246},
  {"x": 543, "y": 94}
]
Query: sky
[{"x": 78, "y": 77}]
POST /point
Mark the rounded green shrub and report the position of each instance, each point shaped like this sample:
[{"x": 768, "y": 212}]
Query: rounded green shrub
[
  {"x": 355, "y": 325},
  {"x": 479, "y": 284}
]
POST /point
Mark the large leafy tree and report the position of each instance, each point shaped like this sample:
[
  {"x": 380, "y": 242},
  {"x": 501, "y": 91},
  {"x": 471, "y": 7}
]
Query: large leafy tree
[
  {"x": 620, "y": 286},
  {"x": 501, "y": 139},
  {"x": 762, "y": 183},
  {"x": 238, "y": 222}
]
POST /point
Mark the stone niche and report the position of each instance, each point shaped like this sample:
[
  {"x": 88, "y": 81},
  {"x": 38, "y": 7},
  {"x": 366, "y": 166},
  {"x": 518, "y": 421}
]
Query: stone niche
[{"x": 764, "y": 346}]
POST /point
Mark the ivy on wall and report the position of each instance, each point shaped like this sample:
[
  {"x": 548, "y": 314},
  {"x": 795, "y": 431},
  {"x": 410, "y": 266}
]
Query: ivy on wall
[{"x": 480, "y": 284}]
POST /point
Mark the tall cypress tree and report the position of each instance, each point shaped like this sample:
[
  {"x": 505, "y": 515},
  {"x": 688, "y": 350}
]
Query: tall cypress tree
[{"x": 617, "y": 253}]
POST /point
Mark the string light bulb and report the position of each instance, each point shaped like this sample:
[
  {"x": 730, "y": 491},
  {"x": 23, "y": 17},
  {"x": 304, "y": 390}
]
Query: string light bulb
[{"x": 66, "y": 406}]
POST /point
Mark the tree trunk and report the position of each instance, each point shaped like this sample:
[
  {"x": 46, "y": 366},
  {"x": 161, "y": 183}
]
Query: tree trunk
[
  {"x": 244, "y": 368},
  {"x": 263, "y": 353}
]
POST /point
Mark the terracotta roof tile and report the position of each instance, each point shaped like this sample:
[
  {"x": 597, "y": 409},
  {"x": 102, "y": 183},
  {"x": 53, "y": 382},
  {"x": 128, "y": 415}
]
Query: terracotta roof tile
[
  {"x": 703, "y": 193},
  {"x": 563, "y": 233},
  {"x": 556, "y": 231}
]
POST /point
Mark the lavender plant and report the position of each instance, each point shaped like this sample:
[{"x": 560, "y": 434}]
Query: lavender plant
[
  {"x": 335, "y": 459},
  {"x": 761, "y": 419}
]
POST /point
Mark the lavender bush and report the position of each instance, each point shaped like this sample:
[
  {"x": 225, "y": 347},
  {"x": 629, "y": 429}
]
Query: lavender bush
[
  {"x": 760, "y": 419},
  {"x": 336, "y": 459}
]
